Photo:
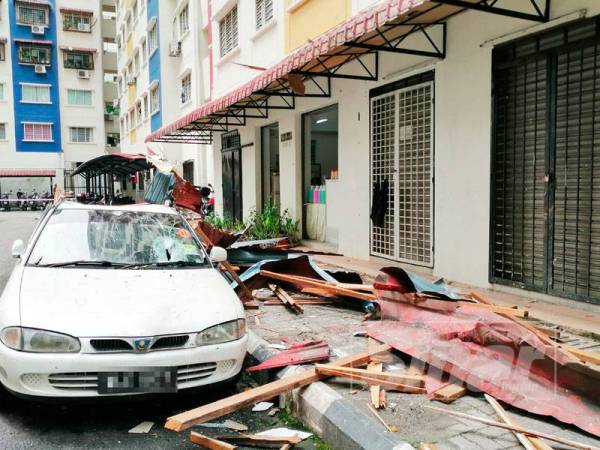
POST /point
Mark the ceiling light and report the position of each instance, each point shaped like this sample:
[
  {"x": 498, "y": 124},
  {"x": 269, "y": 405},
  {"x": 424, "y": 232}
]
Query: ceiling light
[{"x": 322, "y": 120}]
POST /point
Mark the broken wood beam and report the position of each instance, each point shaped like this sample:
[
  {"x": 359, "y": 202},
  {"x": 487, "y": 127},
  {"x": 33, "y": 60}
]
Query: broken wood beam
[
  {"x": 517, "y": 428},
  {"x": 450, "y": 392},
  {"x": 516, "y": 312},
  {"x": 254, "y": 440},
  {"x": 529, "y": 442},
  {"x": 286, "y": 299},
  {"x": 318, "y": 284},
  {"x": 393, "y": 377},
  {"x": 187, "y": 419},
  {"x": 375, "y": 379},
  {"x": 376, "y": 388},
  {"x": 583, "y": 355},
  {"x": 210, "y": 443},
  {"x": 304, "y": 301},
  {"x": 376, "y": 414}
]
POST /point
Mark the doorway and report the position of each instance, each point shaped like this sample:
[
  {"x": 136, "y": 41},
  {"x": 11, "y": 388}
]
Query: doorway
[
  {"x": 270, "y": 165},
  {"x": 320, "y": 172},
  {"x": 188, "y": 171},
  {"x": 545, "y": 171},
  {"x": 231, "y": 169}
]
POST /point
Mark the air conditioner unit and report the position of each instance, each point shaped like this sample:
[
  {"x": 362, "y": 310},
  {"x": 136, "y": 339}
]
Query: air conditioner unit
[
  {"x": 84, "y": 27},
  {"x": 39, "y": 68},
  {"x": 83, "y": 74},
  {"x": 131, "y": 80},
  {"x": 174, "y": 48},
  {"x": 38, "y": 29}
]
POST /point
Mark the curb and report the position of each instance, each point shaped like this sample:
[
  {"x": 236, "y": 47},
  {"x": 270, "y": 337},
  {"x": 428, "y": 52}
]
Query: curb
[{"x": 331, "y": 416}]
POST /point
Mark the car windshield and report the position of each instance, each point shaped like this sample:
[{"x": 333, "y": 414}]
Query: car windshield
[{"x": 128, "y": 239}]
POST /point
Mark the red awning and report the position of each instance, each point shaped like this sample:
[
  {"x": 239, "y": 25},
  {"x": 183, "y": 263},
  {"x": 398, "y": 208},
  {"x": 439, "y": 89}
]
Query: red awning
[
  {"x": 32, "y": 41},
  {"x": 83, "y": 12},
  {"x": 78, "y": 49},
  {"x": 13, "y": 173},
  {"x": 359, "y": 25}
]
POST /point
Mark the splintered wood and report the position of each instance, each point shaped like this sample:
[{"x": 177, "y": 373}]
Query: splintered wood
[
  {"x": 265, "y": 392},
  {"x": 376, "y": 396},
  {"x": 286, "y": 299}
]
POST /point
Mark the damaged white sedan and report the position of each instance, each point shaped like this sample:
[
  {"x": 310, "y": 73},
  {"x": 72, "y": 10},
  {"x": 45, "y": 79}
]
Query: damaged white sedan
[{"x": 117, "y": 300}]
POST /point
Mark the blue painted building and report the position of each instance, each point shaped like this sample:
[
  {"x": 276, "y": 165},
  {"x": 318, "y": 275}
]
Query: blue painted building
[
  {"x": 154, "y": 64},
  {"x": 35, "y": 67}
]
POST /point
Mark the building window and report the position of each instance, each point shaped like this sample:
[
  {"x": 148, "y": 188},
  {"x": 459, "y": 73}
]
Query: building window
[
  {"x": 184, "y": 21},
  {"x": 81, "y": 135},
  {"x": 186, "y": 89},
  {"x": 34, "y": 54},
  {"x": 37, "y": 132},
  {"x": 228, "y": 32},
  {"x": 264, "y": 12},
  {"x": 132, "y": 120},
  {"x": 79, "y": 60},
  {"x": 33, "y": 93},
  {"x": 152, "y": 40},
  {"x": 136, "y": 63},
  {"x": 138, "y": 109},
  {"x": 2, "y": 131},
  {"x": 28, "y": 14},
  {"x": 154, "y": 100},
  {"x": 144, "y": 51},
  {"x": 81, "y": 22},
  {"x": 2, "y": 90},
  {"x": 79, "y": 97},
  {"x": 112, "y": 139},
  {"x": 145, "y": 108},
  {"x": 2, "y": 51}
]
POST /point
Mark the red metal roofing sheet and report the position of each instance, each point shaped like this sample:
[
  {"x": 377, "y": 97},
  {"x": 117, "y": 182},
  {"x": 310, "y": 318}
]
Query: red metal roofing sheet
[
  {"x": 360, "y": 24},
  {"x": 33, "y": 41},
  {"x": 27, "y": 173}
]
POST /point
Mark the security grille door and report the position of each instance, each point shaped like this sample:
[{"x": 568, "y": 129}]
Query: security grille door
[
  {"x": 546, "y": 163},
  {"x": 401, "y": 153},
  {"x": 231, "y": 169}
]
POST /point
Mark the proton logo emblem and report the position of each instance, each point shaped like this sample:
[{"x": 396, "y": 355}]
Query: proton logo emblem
[{"x": 141, "y": 345}]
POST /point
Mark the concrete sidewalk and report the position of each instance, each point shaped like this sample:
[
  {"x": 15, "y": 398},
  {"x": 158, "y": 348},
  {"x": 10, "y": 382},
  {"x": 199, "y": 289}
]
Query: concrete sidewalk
[{"x": 576, "y": 316}]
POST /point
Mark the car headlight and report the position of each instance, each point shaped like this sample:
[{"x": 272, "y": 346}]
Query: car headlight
[
  {"x": 224, "y": 332},
  {"x": 38, "y": 341}
]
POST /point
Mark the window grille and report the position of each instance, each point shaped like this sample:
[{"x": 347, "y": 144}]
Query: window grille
[
  {"x": 33, "y": 54},
  {"x": 264, "y": 12},
  {"x": 37, "y": 132},
  {"x": 78, "y": 60},
  {"x": 81, "y": 134},
  {"x": 228, "y": 32},
  {"x": 32, "y": 15},
  {"x": 186, "y": 89},
  {"x": 184, "y": 23}
]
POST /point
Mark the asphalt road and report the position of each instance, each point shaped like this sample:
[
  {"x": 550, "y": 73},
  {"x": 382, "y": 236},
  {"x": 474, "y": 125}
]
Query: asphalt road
[{"x": 24, "y": 424}]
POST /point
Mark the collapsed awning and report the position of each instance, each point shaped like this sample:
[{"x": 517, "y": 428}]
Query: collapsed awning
[
  {"x": 349, "y": 50},
  {"x": 117, "y": 164},
  {"x": 33, "y": 41},
  {"x": 15, "y": 173}
]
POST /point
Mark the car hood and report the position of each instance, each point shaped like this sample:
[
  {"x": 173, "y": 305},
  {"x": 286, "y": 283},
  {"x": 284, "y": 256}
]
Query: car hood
[{"x": 127, "y": 303}]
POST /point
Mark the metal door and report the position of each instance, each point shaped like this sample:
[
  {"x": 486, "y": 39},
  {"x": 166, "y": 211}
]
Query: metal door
[
  {"x": 546, "y": 163},
  {"x": 402, "y": 155},
  {"x": 231, "y": 169}
]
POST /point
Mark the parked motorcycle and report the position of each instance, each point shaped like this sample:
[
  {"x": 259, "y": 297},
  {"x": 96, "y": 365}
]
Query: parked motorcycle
[
  {"x": 208, "y": 200},
  {"x": 33, "y": 203},
  {"x": 5, "y": 203},
  {"x": 22, "y": 203}
]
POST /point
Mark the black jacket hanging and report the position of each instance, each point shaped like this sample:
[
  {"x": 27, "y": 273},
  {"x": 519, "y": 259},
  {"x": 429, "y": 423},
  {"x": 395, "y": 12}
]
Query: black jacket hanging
[{"x": 379, "y": 206}]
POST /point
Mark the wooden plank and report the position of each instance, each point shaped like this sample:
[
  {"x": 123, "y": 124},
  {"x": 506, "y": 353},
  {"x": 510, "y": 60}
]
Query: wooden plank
[
  {"x": 516, "y": 312},
  {"x": 286, "y": 299},
  {"x": 210, "y": 443},
  {"x": 551, "y": 332},
  {"x": 529, "y": 442},
  {"x": 375, "y": 389},
  {"x": 253, "y": 440},
  {"x": 315, "y": 301},
  {"x": 387, "y": 383},
  {"x": 318, "y": 284},
  {"x": 583, "y": 355},
  {"x": 517, "y": 428},
  {"x": 450, "y": 392},
  {"x": 318, "y": 291},
  {"x": 265, "y": 392},
  {"x": 376, "y": 414},
  {"x": 393, "y": 377}
]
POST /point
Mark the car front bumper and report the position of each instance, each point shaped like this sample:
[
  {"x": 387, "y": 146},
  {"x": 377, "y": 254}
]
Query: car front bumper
[{"x": 76, "y": 375}]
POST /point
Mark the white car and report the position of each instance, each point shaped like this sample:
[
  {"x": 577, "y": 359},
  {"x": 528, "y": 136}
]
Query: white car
[{"x": 117, "y": 300}]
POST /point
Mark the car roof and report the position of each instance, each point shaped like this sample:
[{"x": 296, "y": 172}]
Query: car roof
[{"x": 138, "y": 207}]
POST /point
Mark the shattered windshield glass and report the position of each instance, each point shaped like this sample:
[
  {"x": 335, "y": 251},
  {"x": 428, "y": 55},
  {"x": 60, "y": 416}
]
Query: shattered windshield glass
[{"x": 128, "y": 239}]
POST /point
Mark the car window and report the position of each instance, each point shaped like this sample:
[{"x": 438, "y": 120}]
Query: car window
[{"x": 115, "y": 236}]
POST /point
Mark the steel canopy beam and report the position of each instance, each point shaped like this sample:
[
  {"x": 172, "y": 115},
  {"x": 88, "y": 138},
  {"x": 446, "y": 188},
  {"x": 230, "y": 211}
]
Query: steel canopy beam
[{"x": 489, "y": 6}]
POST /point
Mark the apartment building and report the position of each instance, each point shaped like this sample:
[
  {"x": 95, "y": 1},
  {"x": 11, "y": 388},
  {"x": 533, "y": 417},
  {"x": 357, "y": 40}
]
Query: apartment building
[
  {"x": 453, "y": 137},
  {"x": 52, "y": 78},
  {"x": 163, "y": 74}
]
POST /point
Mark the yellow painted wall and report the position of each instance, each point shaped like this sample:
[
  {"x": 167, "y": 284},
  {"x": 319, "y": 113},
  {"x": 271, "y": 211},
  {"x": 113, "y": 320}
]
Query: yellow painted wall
[
  {"x": 312, "y": 18},
  {"x": 133, "y": 137},
  {"x": 131, "y": 95},
  {"x": 129, "y": 47}
]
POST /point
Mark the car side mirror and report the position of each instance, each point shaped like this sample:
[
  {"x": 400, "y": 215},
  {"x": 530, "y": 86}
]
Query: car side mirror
[
  {"x": 18, "y": 248},
  {"x": 218, "y": 254}
]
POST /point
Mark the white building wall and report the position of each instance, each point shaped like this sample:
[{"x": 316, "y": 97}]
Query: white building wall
[
  {"x": 7, "y": 146},
  {"x": 463, "y": 83},
  {"x": 81, "y": 116}
]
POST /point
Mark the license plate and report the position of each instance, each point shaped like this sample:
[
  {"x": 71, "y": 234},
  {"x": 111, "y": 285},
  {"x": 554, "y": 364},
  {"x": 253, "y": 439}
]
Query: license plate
[{"x": 146, "y": 380}]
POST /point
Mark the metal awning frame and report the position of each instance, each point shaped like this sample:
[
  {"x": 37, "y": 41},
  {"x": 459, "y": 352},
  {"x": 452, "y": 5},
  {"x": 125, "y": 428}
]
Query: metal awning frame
[{"x": 357, "y": 59}]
